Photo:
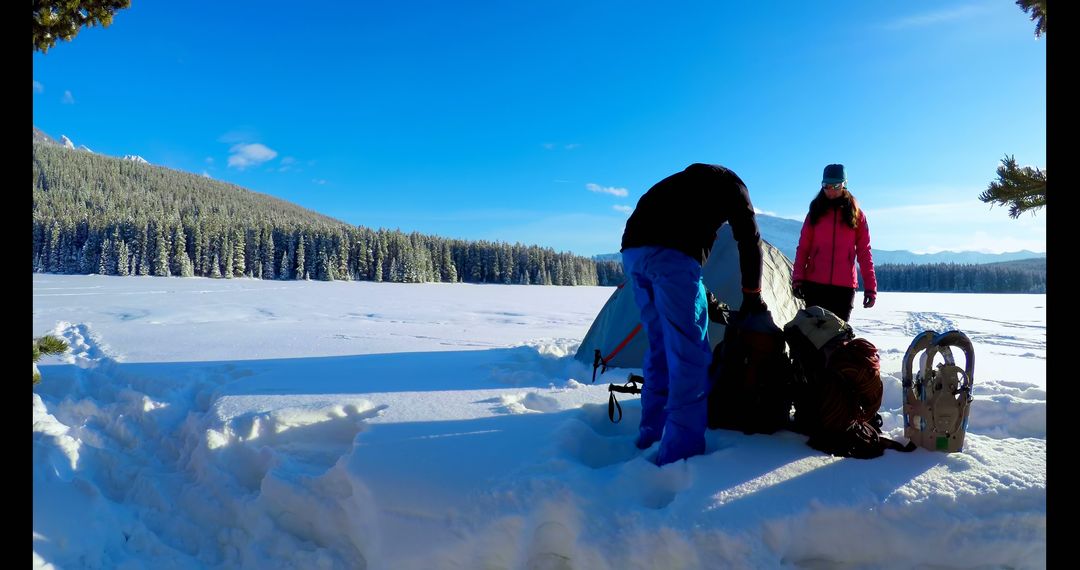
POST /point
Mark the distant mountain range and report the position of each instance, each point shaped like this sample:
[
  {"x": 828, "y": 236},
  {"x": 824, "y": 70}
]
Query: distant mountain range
[
  {"x": 41, "y": 137},
  {"x": 783, "y": 233}
]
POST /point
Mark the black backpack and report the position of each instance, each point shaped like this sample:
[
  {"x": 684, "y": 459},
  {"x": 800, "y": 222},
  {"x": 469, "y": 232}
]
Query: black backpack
[{"x": 751, "y": 376}]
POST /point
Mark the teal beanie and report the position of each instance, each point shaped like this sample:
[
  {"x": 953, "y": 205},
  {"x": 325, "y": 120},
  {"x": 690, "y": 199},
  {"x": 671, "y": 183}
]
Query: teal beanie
[{"x": 834, "y": 174}]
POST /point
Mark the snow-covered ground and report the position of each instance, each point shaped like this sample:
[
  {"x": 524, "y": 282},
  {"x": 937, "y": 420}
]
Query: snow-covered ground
[{"x": 202, "y": 423}]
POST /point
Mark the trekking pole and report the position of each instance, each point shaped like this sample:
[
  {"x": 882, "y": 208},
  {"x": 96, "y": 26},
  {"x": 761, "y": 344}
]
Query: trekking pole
[{"x": 598, "y": 362}]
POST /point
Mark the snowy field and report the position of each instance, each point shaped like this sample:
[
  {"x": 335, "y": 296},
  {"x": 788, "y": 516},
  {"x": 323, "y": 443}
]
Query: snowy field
[{"x": 200, "y": 423}]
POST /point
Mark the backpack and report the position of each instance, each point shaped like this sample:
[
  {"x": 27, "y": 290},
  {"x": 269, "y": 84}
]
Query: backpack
[
  {"x": 839, "y": 388},
  {"x": 852, "y": 389},
  {"x": 750, "y": 376},
  {"x": 812, "y": 335}
]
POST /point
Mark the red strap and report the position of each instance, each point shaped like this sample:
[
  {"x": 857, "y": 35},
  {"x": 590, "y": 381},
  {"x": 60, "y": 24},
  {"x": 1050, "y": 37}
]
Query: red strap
[{"x": 623, "y": 343}]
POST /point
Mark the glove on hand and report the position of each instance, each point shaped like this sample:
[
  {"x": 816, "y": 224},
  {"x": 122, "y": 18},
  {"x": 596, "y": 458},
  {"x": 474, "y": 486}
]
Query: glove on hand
[
  {"x": 752, "y": 303},
  {"x": 869, "y": 298},
  {"x": 717, "y": 310},
  {"x": 796, "y": 290}
]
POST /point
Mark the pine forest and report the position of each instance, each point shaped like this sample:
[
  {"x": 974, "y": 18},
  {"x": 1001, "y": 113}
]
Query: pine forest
[{"x": 109, "y": 216}]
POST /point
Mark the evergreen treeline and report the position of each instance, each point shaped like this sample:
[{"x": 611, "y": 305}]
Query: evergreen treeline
[
  {"x": 98, "y": 214},
  {"x": 1022, "y": 276}
]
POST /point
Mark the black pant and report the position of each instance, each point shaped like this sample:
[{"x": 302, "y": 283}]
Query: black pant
[{"x": 838, "y": 300}]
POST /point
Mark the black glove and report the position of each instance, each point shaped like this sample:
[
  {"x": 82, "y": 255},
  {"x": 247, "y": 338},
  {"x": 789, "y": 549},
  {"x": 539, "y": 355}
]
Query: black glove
[
  {"x": 869, "y": 298},
  {"x": 796, "y": 290},
  {"x": 718, "y": 312},
  {"x": 752, "y": 303}
]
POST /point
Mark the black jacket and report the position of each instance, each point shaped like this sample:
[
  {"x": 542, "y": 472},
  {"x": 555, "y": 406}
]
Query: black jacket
[{"x": 684, "y": 211}]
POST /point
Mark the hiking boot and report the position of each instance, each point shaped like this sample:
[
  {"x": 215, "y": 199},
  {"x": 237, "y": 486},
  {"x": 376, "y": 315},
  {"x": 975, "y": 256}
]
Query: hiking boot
[
  {"x": 647, "y": 437},
  {"x": 680, "y": 444}
]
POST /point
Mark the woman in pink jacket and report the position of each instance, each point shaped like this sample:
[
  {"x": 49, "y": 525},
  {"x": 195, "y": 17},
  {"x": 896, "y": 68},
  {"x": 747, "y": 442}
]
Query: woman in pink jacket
[{"x": 834, "y": 235}]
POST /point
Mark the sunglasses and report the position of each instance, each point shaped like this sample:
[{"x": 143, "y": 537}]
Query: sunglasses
[{"x": 837, "y": 186}]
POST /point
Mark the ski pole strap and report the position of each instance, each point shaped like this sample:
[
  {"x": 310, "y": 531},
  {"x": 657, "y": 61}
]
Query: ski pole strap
[
  {"x": 612, "y": 406},
  {"x": 624, "y": 389},
  {"x": 631, "y": 387}
]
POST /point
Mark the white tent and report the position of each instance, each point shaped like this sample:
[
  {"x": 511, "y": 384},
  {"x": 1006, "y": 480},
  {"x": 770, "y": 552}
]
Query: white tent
[{"x": 617, "y": 332}]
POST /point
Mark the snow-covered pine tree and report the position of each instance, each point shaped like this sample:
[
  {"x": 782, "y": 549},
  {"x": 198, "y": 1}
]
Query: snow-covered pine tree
[
  {"x": 301, "y": 268},
  {"x": 238, "y": 258},
  {"x": 159, "y": 254}
]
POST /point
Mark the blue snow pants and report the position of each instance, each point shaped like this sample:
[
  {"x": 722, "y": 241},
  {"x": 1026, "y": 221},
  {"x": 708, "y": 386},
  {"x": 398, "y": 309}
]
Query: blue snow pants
[{"x": 669, "y": 293}]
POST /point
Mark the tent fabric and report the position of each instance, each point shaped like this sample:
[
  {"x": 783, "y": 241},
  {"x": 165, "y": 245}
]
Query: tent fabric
[{"x": 617, "y": 330}]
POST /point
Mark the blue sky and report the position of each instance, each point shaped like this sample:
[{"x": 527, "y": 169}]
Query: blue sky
[{"x": 544, "y": 122}]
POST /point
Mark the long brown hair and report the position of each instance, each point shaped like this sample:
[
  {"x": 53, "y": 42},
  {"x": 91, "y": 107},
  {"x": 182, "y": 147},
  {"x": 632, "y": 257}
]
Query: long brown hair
[{"x": 849, "y": 207}]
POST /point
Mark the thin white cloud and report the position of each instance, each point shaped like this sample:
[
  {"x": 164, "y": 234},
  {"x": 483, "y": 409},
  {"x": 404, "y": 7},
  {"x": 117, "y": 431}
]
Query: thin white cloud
[
  {"x": 549, "y": 146},
  {"x": 960, "y": 211},
  {"x": 572, "y": 146},
  {"x": 968, "y": 225},
  {"x": 319, "y": 181},
  {"x": 238, "y": 136},
  {"x": 210, "y": 160},
  {"x": 622, "y": 192},
  {"x": 988, "y": 242},
  {"x": 245, "y": 155},
  {"x": 38, "y": 87},
  {"x": 68, "y": 98},
  {"x": 288, "y": 164},
  {"x": 622, "y": 208},
  {"x": 933, "y": 18},
  {"x": 207, "y": 175}
]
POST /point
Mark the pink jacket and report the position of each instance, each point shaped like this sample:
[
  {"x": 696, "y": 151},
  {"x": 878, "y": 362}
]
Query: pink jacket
[{"x": 828, "y": 249}]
